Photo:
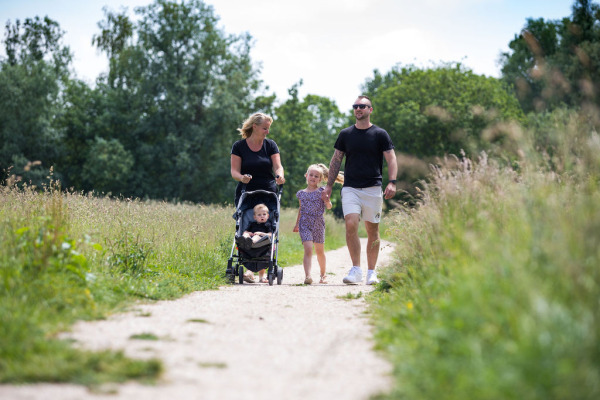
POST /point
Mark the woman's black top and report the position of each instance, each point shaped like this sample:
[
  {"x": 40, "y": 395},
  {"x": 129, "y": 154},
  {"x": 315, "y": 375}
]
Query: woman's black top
[{"x": 258, "y": 164}]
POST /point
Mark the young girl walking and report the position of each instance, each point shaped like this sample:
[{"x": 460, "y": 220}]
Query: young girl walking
[{"x": 311, "y": 222}]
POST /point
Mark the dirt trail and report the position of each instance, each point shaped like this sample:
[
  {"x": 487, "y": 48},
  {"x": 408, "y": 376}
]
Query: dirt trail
[{"x": 251, "y": 341}]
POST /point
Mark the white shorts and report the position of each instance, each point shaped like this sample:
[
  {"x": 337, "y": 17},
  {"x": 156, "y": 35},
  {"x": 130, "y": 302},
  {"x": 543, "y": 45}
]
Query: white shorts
[{"x": 363, "y": 201}]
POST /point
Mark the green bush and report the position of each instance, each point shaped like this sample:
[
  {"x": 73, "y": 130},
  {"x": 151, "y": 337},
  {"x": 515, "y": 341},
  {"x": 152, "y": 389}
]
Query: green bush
[{"x": 495, "y": 291}]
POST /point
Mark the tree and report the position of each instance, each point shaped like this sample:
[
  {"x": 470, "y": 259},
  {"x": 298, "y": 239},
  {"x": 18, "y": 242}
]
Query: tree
[
  {"x": 552, "y": 63},
  {"x": 31, "y": 79},
  {"x": 305, "y": 131},
  {"x": 78, "y": 123},
  {"x": 177, "y": 88},
  {"x": 438, "y": 111},
  {"x": 107, "y": 166}
]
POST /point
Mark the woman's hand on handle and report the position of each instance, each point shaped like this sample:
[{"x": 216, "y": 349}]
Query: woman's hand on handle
[
  {"x": 246, "y": 178},
  {"x": 236, "y": 170}
]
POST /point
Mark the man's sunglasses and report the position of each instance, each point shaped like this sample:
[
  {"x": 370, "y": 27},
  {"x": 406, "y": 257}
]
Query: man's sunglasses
[{"x": 361, "y": 106}]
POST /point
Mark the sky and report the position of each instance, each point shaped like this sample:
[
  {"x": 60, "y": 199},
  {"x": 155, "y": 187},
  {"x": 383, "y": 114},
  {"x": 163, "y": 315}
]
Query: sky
[{"x": 333, "y": 46}]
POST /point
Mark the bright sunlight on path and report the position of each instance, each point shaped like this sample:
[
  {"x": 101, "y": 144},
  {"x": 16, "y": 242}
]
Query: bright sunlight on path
[{"x": 251, "y": 341}]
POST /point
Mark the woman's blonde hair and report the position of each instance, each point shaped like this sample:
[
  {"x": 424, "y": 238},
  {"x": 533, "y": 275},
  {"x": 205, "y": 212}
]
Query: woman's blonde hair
[
  {"x": 324, "y": 171},
  {"x": 258, "y": 118}
]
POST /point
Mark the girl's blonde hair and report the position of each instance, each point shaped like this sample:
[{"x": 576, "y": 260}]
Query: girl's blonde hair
[
  {"x": 258, "y": 118},
  {"x": 324, "y": 171}
]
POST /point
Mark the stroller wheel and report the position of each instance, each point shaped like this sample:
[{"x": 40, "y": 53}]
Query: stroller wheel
[
  {"x": 230, "y": 278},
  {"x": 271, "y": 278},
  {"x": 229, "y": 272},
  {"x": 241, "y": 274},
  {"x": 279, "y": 275}
]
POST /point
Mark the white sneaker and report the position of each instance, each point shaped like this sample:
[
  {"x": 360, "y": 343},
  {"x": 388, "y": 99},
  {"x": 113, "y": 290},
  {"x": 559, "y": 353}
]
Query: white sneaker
[
  {"x": 354, "y": 276},
  {"x": 372, "y": 277}
]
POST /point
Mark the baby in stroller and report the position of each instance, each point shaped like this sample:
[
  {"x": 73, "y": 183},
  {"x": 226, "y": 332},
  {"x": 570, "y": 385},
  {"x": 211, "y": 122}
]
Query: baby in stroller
[
  {"x": 257, "y": 235},
  {"x": 259, "y": 232}
]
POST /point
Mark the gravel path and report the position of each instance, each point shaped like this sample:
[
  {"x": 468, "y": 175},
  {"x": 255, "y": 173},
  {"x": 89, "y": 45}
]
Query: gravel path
[{"x": 251, "y": 341}]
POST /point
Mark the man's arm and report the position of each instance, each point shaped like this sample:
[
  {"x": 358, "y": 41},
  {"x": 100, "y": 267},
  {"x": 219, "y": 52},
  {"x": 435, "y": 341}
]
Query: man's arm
[
  {"x": 334, "y": 170},
  {"x": 390, "y": 158},
  {"x": 334, "y": 166}
]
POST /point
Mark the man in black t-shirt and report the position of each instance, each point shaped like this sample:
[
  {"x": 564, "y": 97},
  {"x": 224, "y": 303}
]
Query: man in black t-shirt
[{"x": 365, "y": 146}]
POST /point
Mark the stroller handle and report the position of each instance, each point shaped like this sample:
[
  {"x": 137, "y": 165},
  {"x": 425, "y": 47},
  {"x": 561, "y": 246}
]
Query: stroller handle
[{"x": 279, "y": 188}]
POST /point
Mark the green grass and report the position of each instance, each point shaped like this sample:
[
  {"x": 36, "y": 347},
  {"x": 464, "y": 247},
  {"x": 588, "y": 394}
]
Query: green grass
[
  {"x": 144, "y": 336},
  {"x": 67, "y": 256},
  {"x": 351, "y": 296},
  {"x": 198, "y": 320},
  {"x": 217, "y": 365},
  {"x": 495, "y": 291}
]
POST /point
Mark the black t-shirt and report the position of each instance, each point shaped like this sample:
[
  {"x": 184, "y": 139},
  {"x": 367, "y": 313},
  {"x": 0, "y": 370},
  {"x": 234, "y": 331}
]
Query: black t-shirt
[
  {"x": 265, "y": 227},
  {"x": 258, "y": 164},
  {"x": 363, "y": 149}
]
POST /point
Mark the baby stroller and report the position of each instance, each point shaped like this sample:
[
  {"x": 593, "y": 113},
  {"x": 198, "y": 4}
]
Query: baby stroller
[{"x": 264, "y": 257}]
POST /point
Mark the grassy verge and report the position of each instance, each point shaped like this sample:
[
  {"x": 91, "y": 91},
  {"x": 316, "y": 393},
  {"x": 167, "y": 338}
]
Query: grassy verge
[
  {"x": 68, "y": 257},
  {"x": 495, "y": 292}
]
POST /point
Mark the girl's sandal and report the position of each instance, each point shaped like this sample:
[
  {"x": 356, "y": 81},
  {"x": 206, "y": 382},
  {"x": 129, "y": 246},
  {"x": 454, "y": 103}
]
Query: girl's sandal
[{"x": 323, "y": 279}]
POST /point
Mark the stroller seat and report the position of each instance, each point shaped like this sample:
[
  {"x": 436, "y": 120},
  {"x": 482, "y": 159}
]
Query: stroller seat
[
  {"x": 259, "y": 253},
  {"x": 259, "y": 258}
]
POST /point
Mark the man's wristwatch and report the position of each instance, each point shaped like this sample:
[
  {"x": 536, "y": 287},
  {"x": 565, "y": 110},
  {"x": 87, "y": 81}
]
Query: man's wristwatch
[{"x": 392, "y": 181}]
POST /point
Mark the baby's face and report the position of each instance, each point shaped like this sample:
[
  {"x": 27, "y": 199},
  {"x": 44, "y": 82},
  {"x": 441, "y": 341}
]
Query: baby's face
[{"x": 262, "y": 216}]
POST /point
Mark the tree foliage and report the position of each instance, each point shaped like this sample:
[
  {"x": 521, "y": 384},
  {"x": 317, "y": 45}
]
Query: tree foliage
[
  {"x": 31, "y": 78},
  {"x": 556, "y": 62},
  {"x": 438, "y": 111},
  {"x": 161, "y": 121},
  {"x": 176, "y": 89},
  {"x": 305, "y": 131}
]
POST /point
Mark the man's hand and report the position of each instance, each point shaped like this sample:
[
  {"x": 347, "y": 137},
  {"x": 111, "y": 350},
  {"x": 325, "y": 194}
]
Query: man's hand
[{"x": 390, "y": 191}]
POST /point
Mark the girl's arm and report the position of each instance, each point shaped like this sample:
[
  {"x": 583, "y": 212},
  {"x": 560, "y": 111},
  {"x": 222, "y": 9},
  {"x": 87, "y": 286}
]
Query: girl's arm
[
  {"x": 326, "y": 201},
  {"x": 297, "y": 220}
]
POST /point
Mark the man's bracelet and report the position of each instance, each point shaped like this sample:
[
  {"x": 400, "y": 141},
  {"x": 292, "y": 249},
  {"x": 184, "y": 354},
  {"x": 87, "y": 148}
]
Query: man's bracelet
[{"x": 392, "y": 181}]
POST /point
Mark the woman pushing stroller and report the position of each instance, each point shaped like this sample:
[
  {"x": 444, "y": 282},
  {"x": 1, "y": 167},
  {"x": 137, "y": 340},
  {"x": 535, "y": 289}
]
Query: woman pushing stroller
[{"x": 256, "y": 162}]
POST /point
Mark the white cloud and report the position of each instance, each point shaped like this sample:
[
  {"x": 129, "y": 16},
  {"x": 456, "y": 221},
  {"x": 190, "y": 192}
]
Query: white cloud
[{"x": 404, "y": 45}]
